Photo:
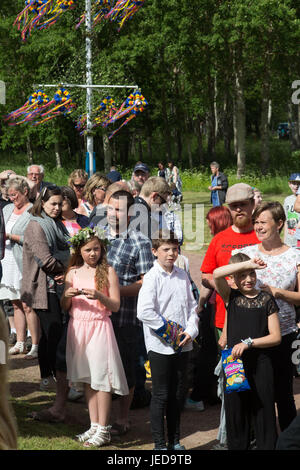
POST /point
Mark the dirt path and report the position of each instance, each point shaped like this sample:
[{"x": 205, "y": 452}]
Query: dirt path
[{"x": 199, "y": 429}]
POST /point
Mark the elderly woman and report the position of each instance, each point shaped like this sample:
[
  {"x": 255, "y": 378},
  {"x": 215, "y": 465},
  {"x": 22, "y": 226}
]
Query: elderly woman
[
  {"x": 281, "y": 278},
  {"x": 77, "y": 181},
  {"x": 16, "y": 218},
  {"x": 45, "y": 257}
]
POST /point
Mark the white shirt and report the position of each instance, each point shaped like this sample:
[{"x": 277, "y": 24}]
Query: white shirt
[{"x": 167, "y": 295}]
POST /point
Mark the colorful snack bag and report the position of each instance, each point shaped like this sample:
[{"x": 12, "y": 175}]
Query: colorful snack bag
[
  {"x": 169, "y": 332},
  {"x": 235, "y": 378}
]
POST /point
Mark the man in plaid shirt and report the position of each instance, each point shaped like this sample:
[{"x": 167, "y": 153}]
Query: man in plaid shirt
[{"x": 130, "y": 254}]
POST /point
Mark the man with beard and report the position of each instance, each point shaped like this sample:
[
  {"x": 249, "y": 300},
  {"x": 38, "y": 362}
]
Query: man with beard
[{"x": 240, "y": 200}]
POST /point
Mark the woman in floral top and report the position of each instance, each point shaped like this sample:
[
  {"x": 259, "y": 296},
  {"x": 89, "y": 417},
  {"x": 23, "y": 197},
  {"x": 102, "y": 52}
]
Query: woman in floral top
[{"x": 281, "y": 278}]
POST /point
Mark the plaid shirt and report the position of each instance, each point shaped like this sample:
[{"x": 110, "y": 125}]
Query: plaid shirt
[{"x": 131, "y": 257}]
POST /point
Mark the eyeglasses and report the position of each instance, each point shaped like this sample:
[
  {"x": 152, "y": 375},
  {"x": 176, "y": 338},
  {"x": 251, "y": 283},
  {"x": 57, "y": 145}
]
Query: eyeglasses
[
  {"x": 79, "y": 186},
  {"x": 34, "y": 174}
]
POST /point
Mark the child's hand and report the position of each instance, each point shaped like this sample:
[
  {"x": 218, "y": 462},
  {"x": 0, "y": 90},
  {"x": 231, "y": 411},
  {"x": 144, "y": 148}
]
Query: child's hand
[
  {"x": 238, "y": 350},
  {"x": 187, "y": 339},
  {"x": 257, "y": 263},
  {"x": 222, "y": 341},
  {"x": 72, "y": 292},
  {"x": 92, "y": 294}
]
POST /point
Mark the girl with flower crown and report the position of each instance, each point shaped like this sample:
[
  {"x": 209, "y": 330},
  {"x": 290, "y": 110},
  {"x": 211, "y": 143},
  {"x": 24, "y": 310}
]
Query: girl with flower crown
[{"x": 91, "y": 294}]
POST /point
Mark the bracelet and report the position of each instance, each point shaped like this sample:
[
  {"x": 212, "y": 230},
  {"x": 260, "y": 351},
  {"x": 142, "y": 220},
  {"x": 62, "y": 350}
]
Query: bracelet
[{"x": 248, "y": 342}]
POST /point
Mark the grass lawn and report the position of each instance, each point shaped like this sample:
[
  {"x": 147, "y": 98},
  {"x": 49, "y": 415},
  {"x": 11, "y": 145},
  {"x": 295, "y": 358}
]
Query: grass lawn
[
  {"x": 194, "y": 198},
  {"x": 24, "y": 378}
]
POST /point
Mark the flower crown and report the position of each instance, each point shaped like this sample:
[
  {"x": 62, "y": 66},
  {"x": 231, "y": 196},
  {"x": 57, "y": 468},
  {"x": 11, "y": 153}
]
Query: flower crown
[{"x": 86, "y": 234}]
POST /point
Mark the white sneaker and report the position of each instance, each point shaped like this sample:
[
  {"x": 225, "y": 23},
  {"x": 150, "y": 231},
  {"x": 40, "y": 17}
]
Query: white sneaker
[
  {"x": 194, "y": 405},
  {"x": 18, "y": 348},
  {"x": 33, "y": 353},
  {"x": 48, "y": 384}
]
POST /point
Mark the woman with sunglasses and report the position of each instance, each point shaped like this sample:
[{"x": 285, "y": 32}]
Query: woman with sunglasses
[
  {"x": 95, "y": 190},
  {"x": 45, "y": 258},
  {"x": 77, "y": 181}
]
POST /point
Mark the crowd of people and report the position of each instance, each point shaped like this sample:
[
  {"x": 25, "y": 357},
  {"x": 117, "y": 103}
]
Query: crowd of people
[{"x": 94, "y": 286}]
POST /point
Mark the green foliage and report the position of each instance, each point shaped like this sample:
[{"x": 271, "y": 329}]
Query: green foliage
[{"x": 176, "y": 52}]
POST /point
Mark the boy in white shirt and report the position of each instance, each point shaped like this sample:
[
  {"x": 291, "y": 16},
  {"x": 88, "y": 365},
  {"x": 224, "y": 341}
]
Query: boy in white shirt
[{"x": 165, "y": 303}]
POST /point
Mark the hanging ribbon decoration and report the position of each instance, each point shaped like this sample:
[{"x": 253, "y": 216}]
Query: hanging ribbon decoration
[
  {"x": 30, "y": 110},
  {"x": 36, "y": 109},
  {"x": 124, "y": 10},
  {"x": 133, "y": 105},
  {"x": 34, "y": 9},
  {"x": 104, "y": 111},
  {"x": 39, "y": 14},
  {"x": 62, "y": 104},
  {"x": 100, "y": 8},
  {"x": 59, "y": 8}
]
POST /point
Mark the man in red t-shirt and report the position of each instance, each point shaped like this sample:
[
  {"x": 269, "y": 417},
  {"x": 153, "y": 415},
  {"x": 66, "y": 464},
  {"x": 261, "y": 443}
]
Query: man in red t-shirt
[{"x": 240, "y": 200}]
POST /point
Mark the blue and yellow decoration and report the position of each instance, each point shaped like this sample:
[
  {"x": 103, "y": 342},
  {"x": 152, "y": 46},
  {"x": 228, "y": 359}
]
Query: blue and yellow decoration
[
  {"x": 133, "y": 105},
  {"x": 39, "y": 108}
]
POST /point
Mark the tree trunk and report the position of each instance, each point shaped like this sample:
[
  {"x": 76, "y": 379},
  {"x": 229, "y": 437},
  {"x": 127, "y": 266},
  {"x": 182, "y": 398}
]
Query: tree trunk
[
  {"x": 226, "y": 126},
  {"x": 29, "y": 150},
  {"x": 106, "y": 152},
  {"x": 216, "y": 114},
  {"x": 167, "y": 133},
  {"x": 211, "y": 121},
  {"x": 140, "y": 148},
  {"x": 57, "y": 155},
  {"x": 240, "y": 124},
  {"x": 292, "y": 130},
  {"x": 189, "y": 151},
  {"x": 199, "y": 134},
  {"x": 264, "y": 129}
]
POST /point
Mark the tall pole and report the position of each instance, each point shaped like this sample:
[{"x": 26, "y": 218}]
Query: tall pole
[{"x": 89, "y": 92}]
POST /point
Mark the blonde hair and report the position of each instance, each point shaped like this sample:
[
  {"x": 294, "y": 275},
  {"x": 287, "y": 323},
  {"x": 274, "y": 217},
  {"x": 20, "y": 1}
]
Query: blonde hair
[
  {"x": 79, "y": 173},
  {"x": 92, "y": 183},
  {"x": 8, "y": 428},
  {"x": 155, "y": 184}
]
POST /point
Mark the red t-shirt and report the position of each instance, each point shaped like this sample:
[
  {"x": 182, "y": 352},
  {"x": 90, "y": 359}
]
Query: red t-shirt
[{"x": 219, "y": 253}]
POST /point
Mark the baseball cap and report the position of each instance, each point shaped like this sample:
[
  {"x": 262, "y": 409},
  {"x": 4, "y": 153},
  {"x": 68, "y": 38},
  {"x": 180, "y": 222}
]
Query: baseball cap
[
  {"x": 295, "y": 177},
  {"x": 239, "y": 192},
  {"x": 141, "y": 167}
]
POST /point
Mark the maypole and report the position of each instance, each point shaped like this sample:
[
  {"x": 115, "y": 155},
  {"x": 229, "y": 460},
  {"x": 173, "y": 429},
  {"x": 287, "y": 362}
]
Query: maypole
[{"x": 89, "y": 82}]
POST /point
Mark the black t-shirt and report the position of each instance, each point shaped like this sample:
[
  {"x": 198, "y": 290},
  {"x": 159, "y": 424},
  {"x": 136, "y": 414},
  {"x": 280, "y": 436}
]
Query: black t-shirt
[{"x": 248, "y": 317}]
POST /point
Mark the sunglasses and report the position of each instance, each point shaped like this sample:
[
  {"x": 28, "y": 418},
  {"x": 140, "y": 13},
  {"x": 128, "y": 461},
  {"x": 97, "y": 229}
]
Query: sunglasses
[
  {"x": 101, "y": 187},
  {"x": 79, "y": 186},
  {"x": 163, "y": 200}
]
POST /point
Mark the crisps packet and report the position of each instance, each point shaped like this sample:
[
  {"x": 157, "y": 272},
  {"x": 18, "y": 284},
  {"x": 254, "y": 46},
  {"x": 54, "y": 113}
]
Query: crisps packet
[{"x": 235, "y": 378}]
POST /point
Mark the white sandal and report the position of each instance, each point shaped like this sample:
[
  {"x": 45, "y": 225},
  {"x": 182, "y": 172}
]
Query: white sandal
[
  {"x": 18, "y": 348},
  {"x": 101, "y": 438},
  {"x": 87, "y": 434}
]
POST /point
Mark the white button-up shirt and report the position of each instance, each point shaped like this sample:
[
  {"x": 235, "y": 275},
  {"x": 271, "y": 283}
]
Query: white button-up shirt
[{"x": 167, "y": 295}]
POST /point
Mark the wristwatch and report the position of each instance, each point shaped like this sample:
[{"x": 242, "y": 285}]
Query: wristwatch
[{"x": 248, "y": 341}]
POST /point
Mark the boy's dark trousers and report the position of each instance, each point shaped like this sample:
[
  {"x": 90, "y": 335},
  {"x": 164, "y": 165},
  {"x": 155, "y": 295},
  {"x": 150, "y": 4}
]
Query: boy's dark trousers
[{"x": 168, "y": 374}]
